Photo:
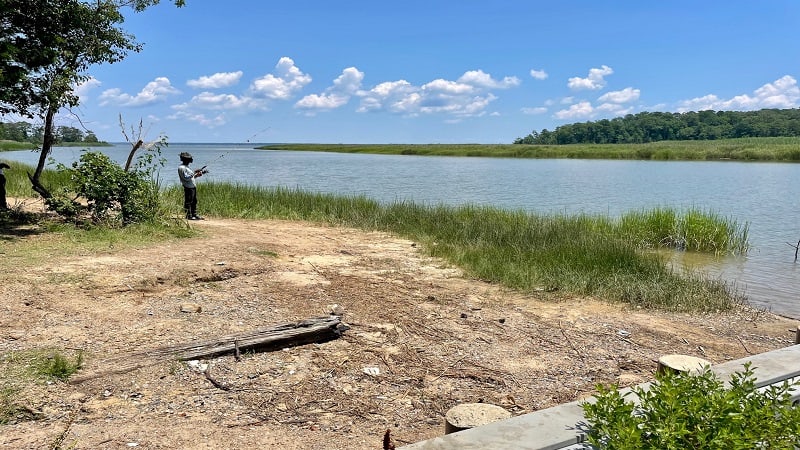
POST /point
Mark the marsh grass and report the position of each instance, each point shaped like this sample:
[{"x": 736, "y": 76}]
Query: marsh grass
[
  {"x": 691, "y": 230},
  {"x": 580, "y": 254},
  {"x": 573, "y": 254},
  {"x": 785, "y": 149}
]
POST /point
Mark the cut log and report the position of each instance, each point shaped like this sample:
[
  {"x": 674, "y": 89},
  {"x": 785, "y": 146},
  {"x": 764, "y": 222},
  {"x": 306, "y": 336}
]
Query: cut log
[{"x": 315, "y": 330}]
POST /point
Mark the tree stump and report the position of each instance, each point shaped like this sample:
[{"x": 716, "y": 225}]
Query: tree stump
[
  {"x": 691, "y": 365},
  {"x": 470, "y": 415}
]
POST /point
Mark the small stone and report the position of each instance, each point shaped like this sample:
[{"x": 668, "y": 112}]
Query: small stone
[
  {"x": 16, "y": 335},
  {"x": 501, "y": 320},
  {"x": 335, "y": 309},
  {"x": 78, "y": 397},
  {"x": 191, "y": 308},
  {"x": 463, "y": 315},
  {"x": 372, "y": 371}
]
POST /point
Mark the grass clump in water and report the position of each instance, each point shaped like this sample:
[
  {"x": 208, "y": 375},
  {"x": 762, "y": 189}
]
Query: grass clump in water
[
  {"x": 692, "y": 230},
  {"x": 581, "y": 254}
]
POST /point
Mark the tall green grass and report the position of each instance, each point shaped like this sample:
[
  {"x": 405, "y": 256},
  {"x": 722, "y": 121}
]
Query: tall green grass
[
  {"x": 692, "y": 230},
  {"x": 784, "y": 149},
  {"x": 19, "y": 185},
  {"x": 580, "y": 254},
  {"x": 575, "y": 255}
]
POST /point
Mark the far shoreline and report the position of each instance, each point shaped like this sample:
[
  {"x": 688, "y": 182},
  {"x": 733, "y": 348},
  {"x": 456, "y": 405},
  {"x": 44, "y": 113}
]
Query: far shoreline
[{"x": 778, "y": 149}]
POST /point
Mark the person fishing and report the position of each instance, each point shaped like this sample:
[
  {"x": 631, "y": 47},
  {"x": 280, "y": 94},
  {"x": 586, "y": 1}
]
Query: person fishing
[{"x": 187, "y": 176}]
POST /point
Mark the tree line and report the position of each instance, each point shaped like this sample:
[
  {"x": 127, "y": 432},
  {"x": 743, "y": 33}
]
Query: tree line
[
  {"x": 27, "y": 132},
  {"x": 664, "y": 126}
]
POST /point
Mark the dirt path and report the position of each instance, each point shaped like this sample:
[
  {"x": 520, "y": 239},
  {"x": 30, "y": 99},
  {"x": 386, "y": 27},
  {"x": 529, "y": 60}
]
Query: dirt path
[{"x": 429, "y": 339}]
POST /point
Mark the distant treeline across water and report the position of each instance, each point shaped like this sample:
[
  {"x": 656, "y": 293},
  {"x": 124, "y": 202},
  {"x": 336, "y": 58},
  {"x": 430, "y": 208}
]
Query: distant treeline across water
[{"x": 663, "y": 126}]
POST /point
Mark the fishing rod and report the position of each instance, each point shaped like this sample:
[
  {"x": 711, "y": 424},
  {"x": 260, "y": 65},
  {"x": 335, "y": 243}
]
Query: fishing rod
[{"x": 204, "y": 169}]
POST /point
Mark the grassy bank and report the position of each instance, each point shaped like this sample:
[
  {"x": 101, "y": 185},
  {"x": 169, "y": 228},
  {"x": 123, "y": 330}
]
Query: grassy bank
[
  {"x": 567, "y": 254},
  {"x": 577, "y": 255},
  {"x": 6, "y": 146},
  {"x": 745, "y": 149}
]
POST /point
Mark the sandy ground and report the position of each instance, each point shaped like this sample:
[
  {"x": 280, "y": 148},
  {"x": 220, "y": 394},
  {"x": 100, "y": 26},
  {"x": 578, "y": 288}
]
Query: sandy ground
[{"x": 422, "y": 339}]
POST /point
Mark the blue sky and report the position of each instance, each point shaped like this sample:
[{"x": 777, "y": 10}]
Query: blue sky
[{"x": 436, "y": 71}]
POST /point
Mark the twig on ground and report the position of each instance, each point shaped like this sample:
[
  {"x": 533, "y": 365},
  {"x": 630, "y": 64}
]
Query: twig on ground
[
  {"x": 216, "y": 383},
  {"x": 744, "y": 346},
  {"x": 448, "y": 368},
  {"x": 569, "y": 341}
]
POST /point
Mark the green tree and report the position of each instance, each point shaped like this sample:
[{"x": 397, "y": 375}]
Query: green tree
[
  {"x": 90, "y": 137},
  {"x": 46, "y": 48},
  {"x": 69, "y": 134}
]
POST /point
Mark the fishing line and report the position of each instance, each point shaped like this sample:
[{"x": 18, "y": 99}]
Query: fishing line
[{"x": 251, "y": 137}]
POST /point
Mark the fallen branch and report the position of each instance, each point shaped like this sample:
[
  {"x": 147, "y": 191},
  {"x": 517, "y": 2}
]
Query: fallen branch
[{"x": 315, "y": 330}]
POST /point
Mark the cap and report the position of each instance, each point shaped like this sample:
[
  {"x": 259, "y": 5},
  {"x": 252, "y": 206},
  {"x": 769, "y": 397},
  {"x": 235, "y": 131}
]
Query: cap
[{"x": 186, "y": 155}]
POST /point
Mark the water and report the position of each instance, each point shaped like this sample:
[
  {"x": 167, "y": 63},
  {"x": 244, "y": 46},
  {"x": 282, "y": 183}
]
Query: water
[{"x": 760, "y": 194}]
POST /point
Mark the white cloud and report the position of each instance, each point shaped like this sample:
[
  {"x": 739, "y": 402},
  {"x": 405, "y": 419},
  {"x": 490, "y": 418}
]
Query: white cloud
[
  {"x": 322, "y": 101},
  {"x": 468, "y": 96},
  {"x": 624, "y": 96},
  {"x": 580, "y": 110},
  {"x": 595, "y": 80},
  {"x": 482, "y": 79},
  {"x": 202, "y": 119},
  {"x": 82, "y": 90},
  {"x": 209, "y": 100},
  {"x": 614, "y": 109},
  {"x": 154, "y": 92},
  {"x": 337, "y": 95},
  {"x": 534, "y": 111},
  {"x": 445, "y": 87},
  {"x": 783, "y": 93},
  {"x": 218, "y": 80},
  {"x": 288, "y": 80},
  {"x": 538, "y": 74},
  {"x": 349, "y": 81}
]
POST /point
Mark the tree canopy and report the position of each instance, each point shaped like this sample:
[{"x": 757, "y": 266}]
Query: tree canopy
[
  {"x": 46, "y": 48},
  {"x": 662, "y": 126}
]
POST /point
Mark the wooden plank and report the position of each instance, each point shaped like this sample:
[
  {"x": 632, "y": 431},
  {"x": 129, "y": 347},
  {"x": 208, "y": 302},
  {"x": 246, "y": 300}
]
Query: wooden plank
[{"x": 320, "y": 329}]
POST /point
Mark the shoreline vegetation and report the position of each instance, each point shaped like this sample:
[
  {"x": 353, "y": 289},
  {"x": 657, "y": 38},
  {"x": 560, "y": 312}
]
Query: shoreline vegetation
[
  {"x": 587, "y": 255},
  {"x": 766, "y": 149},
  {"x": 7, "y": 146},
  {"x": 615, "y": 259}
]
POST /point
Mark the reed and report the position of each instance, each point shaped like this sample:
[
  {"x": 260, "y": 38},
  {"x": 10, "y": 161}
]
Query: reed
[
  {"x": 577, "y": 255},
  {"x": 691, "y": 230},
  {"x": 781, "y": 149}
]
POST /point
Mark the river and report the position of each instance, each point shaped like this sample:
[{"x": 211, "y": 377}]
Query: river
[{"x": 759, "y": 194}]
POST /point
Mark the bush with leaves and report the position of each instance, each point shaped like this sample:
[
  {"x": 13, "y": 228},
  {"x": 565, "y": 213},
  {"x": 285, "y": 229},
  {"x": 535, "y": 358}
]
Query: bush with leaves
[
  {"x": 681, "y": 411},
  {"x": 108, "y": 192}
]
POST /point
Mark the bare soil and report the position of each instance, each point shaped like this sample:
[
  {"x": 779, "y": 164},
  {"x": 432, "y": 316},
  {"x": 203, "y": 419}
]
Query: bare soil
[{"x": 422, "y": 339}]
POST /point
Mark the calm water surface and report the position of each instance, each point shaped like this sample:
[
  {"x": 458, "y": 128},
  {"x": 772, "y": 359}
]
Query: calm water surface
[{"x": 761, "y": 194}]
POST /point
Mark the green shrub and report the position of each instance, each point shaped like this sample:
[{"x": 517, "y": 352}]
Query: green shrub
[
  {"x": 109, "y": 193},
  {"x": 695, "y": 412}
]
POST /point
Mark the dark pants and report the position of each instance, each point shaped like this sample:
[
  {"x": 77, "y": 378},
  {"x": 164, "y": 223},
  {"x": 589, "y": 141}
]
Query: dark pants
[
  {"x": 3, "y": 204},
  {"x": 190, "y": 201}
]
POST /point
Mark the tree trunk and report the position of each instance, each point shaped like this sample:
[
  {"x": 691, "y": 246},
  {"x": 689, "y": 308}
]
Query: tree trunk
[
  {"x": 47, "y": 147},
  {"x": 133, "y": 151}
]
